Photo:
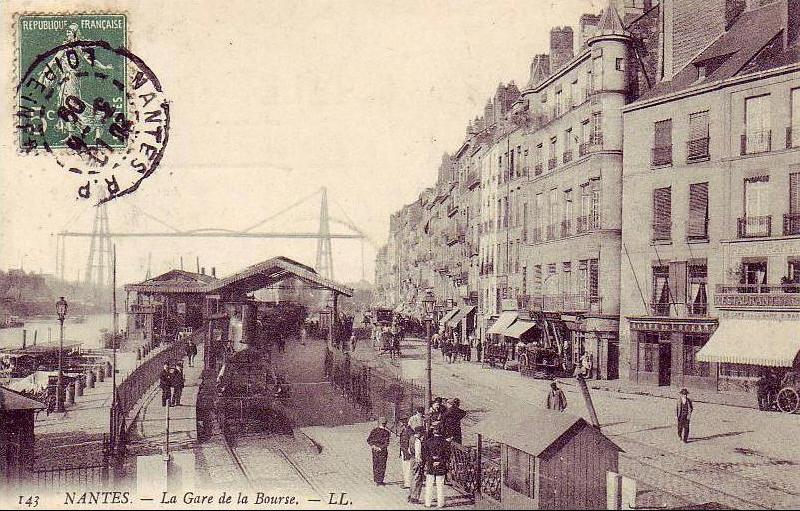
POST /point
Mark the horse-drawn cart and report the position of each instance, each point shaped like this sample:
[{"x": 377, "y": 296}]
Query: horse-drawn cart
[{"x": 787, "y": 399}]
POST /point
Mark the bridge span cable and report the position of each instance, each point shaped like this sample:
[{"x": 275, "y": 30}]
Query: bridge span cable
[{"x": 284, "y": 210}]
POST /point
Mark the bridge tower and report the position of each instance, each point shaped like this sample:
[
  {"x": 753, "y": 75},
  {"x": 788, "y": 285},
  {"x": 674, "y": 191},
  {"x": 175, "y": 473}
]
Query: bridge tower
[
  {"x": 324, "y": 253},
  {"x": 99, "y": 250}
]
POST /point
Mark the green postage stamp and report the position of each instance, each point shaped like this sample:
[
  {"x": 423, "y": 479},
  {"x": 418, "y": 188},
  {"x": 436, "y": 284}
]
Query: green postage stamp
[
  {"x": 40, "y": 34},
  {"x": 87, "y": 101}
]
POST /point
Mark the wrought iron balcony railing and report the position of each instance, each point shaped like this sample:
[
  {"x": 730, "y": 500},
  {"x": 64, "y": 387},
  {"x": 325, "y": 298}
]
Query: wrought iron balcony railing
[
  {"x": 697, "y": 149},
  {"x": 552, "y": 229},
  {"x": 754, "y": 226},
  {"x": 537, "y": 169},
  {"x": 791, "y": 224},
  {"x": 661, "y": 155},
  {"x": 566, "y": 227},
  {"x": 567, "y": 156},
  {"x": 792, "y": 136},
  {"x": 757, "y": 141},
  {"x": 551, "y": 163},
  {"x": 565, "y": 303}
]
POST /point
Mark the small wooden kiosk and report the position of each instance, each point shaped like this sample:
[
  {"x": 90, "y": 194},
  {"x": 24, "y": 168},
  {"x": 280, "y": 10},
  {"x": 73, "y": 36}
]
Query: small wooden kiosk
[
  {"x": 550, "y": 460},
  {"x": 16, "y": 436}
]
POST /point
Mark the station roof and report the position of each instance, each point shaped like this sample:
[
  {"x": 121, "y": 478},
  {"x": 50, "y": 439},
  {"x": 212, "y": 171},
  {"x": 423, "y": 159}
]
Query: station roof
[
  {"x": 13, "y": 401},
  {"x": 173, "y": 281},
  {"x": 275, "y": 270}
]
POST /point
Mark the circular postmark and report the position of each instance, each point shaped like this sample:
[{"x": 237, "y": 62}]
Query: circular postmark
[{"x": 99, "y": 111}]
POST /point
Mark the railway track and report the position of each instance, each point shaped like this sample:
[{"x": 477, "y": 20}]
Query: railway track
[{"x": 262, "y": 461}]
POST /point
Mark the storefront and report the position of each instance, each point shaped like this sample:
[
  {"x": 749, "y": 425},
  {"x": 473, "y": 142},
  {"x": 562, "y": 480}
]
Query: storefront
[
  {"x": 744, "y": 349},
  {"x": 663, "y": 352}
]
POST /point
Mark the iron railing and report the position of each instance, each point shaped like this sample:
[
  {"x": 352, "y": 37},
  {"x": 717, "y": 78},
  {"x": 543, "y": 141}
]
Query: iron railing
[
  {"x": 537, "y": 169},
  {"x": 576, "y": 302},
  {"x": 566, "y": 226},
  {"x": 552, "y": 229},
  {"x": 661, "y": 155},
  {"x": 753, "y": 142},
  {"x": 551, "y": 163},
  {"x": 85, "y": 475},
  {"x": 660, "y": 308},
  {"x": 130, "y": 391},
  {"x": 536, "y": 234},
  {"x": 583, "y": 148},
  {"x": 582, "y": 224},
  {"x": 697, "y": 149},
  {"x": 567, "y": 156},
  {"x": 792, "y": 136},
  {"x": 791, "y": 224},
  {"x": 754, "y": 226}
]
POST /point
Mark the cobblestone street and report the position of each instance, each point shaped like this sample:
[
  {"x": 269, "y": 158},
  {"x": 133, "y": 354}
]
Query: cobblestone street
[{"x": 736, "y": 456}]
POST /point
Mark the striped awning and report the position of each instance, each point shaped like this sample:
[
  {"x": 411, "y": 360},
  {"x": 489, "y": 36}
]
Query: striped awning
[
  {"x": 448, "y": 316},
  {"x": 462, "y": 313},
  {"x": 764, "y": 342},
  {"x": 518, "y": 328},
  {"x": 503, "y": 322}
]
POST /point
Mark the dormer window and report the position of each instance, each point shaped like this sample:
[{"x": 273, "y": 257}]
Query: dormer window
[{"x": 701, "y": 72}]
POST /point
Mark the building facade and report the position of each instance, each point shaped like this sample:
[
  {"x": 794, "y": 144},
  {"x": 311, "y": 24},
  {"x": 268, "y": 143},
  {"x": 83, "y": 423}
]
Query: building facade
[{"x": 710, "y": 229}]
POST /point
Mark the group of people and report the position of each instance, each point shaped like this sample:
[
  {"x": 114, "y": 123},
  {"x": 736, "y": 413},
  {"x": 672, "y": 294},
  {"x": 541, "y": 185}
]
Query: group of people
[
  {"x": 454, "y": 350},
  {"x": 424, "y": 449},
  {"x": 171, "y": 381}
]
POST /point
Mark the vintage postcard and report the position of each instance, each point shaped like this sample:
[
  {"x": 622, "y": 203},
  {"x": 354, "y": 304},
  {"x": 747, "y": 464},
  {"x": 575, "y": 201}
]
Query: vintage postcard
[{"x": 499, "y": 254}]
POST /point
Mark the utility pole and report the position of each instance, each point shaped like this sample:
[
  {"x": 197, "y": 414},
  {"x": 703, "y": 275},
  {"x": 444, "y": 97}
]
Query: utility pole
[{"x": 114, "y": 326}]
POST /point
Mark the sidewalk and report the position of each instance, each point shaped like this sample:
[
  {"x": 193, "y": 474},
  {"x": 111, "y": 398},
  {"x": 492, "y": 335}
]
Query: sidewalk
[
  {"x": 62, "y": 438},
  {"x": 147, "y": 432}
]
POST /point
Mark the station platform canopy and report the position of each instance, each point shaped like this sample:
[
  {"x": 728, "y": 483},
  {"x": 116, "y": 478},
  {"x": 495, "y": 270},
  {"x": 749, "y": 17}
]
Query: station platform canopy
[
  {"x": 270, "y": 272},
  {"x": 173, "y": 282}
]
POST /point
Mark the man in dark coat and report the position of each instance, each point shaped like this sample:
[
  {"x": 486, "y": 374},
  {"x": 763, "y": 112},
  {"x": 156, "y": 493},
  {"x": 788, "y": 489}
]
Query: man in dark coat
[
  {"x": 178, "y": 381},
  {"x": 451, "y": 422},
  {"x": 165, "y": 382},
  {"x": 683, "y": 412},
  {"x": 435, "y": 456},
  {"x": 556, "y": 400},
  {"x": 378, "y": 440}
]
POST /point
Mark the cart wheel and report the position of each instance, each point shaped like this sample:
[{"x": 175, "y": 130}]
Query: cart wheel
[{"x": 788, "y": 400}]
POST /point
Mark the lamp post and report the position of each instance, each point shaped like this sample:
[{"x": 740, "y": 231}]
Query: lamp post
[
  {"x": 429, "y": 302},
  {"x": 61, "y": 310}
]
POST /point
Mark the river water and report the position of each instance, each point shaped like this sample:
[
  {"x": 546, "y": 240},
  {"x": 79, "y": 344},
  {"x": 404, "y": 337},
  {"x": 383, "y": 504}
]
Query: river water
[{"x": 89, "y": 332}]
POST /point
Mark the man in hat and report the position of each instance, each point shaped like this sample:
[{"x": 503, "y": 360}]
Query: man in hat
[
  {"x": 378, "y": 440},
  {"x": 556, "y": 400},
  {"x": 165, "y": 382},
  {"x": 435, "y": 456},
  {"x": 683, "y": 410}
]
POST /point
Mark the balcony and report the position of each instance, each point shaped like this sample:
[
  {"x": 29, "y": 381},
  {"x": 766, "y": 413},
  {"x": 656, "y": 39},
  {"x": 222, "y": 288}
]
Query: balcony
[
  {"x": 757, "y": 296},
  {"x": 754, "y": 227},
  {"x": 552, "y": 229},
  {"x": 791, "y": 224},
  {"x": 567, "y": 156},
  {"x": 583, "y": 224},
  {"x": 551, "y": 163},
  {"x": 660, "y": 309},
  {"x": 566, "y": 227},
  {"x": 537, "y": 169},
  {"x": 697, "y": 149},
  {"x": 754, "y": 142},
  {"x": 696, "y": 309},
  {"x": 583, "y": 148},
  {"x": 661, "y": 156},
  {"x": 565, "y": 303},
  {"x": 536, "y": 234}
]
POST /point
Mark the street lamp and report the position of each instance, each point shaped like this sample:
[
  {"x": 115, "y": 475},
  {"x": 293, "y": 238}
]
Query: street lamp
[
  {"x": 429, "y": 302},
  {"x": 61, "y": 310}
]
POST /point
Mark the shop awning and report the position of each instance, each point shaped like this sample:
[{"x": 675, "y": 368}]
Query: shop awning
[
  {"x": 749, "y": 341},
  {"x": 462, "y": 313},
  {"x": 518, "y": 328},
  {"x": 447, "y": 316},
  {"x": 503, "y": 322}
]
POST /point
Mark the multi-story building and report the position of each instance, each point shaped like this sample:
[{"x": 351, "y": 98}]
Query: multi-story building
[{"x": 711, "y": 236}]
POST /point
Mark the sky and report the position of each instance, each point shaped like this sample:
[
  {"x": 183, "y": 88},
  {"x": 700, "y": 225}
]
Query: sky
[{"x": 269, "y": 102}]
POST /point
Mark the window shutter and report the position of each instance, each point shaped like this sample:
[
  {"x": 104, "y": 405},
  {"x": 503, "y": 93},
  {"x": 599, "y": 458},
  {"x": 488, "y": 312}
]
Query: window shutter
[
  {"x": 698, "y": 210},
  {"x": 698, "y": 125},
  {"x": 662, "y": 213},
  {"x": 663, "y": 133},
  {"x": 794, "y": 193}
]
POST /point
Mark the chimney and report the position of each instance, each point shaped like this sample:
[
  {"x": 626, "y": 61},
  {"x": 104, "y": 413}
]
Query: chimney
[
  {"x": 561, "y": 47},
  {"x": 733, "y": 9},
  {"x": 214, "y": 271},
  {"x": 588, "y": 25},
  {"x": 203, "y": 270}
]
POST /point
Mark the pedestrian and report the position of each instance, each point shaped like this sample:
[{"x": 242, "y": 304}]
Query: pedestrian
[
  {"x": 353, "y": 342},
  {"x": 396, "y": 345},
  {"x": 165, "y": 382},
  {"x": 556, "y": 400},
  {"x": 191, "y": 351},
  {"x": 586, "y": 364},
  {"x": 418, "y": 419},
  {"x": 378, "y": 440},
  {"x": 435, "y": 455},
  {"x": 765, "y": 390},
  {"x": 406, "y": 454},
  {"x": 451, "y": 421},
  {"x": 178, "y": 381},
  {"x": 479, "y": 349},
  {"x": 435, "y": 340},
  {"x": 417, "y": 467},
  {"x": 683, "y": 411}
]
